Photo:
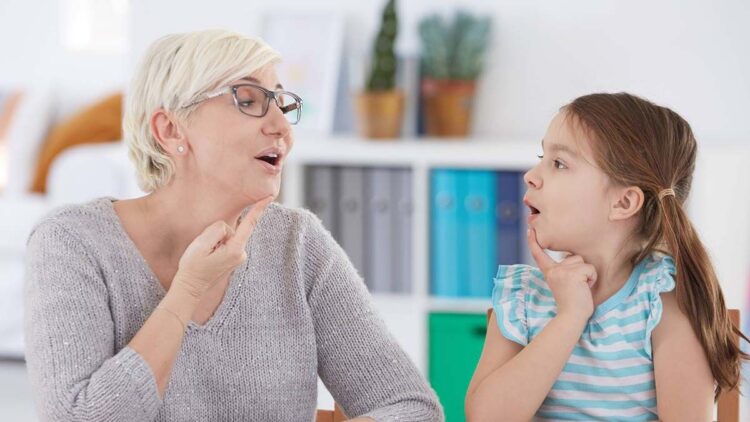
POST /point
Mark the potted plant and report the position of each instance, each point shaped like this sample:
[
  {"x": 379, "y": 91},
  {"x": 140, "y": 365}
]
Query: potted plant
[
  {"x": 380, "y": 106},
  {"x": 452, "y": 60}
]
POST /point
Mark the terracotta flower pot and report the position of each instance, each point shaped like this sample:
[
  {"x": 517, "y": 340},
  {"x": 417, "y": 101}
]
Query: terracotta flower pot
[
  {"x": 380, "y": 113},
  {"x": 448, "y": 106}
]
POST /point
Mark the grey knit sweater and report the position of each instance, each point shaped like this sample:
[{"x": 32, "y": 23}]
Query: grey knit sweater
[{"x": 294, "y": 311}]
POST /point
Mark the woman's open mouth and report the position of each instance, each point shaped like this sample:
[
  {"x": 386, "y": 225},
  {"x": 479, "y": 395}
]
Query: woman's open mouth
[{"x": 271, "y": 159}]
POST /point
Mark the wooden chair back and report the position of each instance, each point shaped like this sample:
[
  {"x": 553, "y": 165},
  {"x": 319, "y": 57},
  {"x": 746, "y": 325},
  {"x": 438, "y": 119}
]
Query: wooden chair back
[
  {"x": 729, "y": 401},
  {"x": 335, "y": 415}
]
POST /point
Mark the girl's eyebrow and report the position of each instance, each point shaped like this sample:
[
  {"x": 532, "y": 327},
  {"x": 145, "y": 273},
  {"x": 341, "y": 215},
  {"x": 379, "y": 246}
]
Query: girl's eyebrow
[{"x": 554, "y": 147}]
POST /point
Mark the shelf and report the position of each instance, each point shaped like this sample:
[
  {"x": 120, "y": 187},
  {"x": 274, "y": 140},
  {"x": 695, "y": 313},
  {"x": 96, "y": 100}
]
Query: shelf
[
  {"x": 410, "y": 152},
  {"x": 407, "y": 315},
  {"x": 459, "y": 305}
]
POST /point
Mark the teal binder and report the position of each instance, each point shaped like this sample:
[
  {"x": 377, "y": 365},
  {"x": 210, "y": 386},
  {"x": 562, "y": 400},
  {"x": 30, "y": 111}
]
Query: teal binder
[
  {"x": 444, "y": 233},
  {"x": 478, "y": 220}
]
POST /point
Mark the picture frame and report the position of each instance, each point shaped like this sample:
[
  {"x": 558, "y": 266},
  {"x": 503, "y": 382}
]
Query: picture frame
[{"x": 311, "y": 47}]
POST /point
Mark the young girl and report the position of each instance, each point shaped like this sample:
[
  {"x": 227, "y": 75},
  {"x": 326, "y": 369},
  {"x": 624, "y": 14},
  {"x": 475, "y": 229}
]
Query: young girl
[{"x": 631, "y": 325}]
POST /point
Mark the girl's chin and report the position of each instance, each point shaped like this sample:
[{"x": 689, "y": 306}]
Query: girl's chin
[
  {"x": 541, "y": 238},
  {"x": 547, "y": 243}
]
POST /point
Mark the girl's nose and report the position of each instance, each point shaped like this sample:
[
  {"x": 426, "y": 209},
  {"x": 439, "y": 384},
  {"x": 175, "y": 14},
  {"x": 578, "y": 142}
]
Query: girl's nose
[{"x": 531, "y": 179}]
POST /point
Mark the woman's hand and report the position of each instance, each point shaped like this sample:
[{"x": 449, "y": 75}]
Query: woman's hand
[
  {"x": 570, "y": 280},
  {"x": 216, "y": 252}
]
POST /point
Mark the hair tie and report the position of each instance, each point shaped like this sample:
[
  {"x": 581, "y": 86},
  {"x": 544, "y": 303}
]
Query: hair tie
[{"x": 666, "y": 192}]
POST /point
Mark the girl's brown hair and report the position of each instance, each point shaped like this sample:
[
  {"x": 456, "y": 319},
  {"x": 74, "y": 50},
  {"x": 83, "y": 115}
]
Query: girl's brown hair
[{"x": 638, "y": 143}]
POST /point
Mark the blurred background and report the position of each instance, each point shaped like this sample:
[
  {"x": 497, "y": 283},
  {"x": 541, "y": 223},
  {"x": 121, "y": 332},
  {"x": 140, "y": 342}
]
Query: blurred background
[{"x": 419, "y": 118}]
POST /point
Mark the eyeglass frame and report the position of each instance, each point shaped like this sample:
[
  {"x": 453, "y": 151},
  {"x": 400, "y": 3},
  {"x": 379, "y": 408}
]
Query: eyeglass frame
[{"x": 270, "y": 95}]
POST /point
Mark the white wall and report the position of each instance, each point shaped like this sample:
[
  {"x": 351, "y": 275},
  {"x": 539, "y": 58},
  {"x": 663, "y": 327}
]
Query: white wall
[
  {"x": 688, "y": 54},
  {"x": 32, "y": 53}
]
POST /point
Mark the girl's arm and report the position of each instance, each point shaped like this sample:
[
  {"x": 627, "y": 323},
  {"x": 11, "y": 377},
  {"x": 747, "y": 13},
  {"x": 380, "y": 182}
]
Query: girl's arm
[
  {"x": 512, "y": 380},
  {"x": 684, "y": 383}
]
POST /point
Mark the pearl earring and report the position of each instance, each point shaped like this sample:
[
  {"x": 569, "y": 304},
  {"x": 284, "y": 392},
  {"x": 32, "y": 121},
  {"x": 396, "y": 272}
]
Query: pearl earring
[{"x": 180, "y": 149}]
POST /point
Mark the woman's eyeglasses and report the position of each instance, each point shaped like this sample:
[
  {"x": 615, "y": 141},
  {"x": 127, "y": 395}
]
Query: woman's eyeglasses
[{"x": 253, "y": 100}]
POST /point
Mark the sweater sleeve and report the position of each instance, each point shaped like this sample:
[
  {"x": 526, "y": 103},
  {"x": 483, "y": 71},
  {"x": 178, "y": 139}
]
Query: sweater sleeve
[
  {"x": 75, "y": 372},
  {"x": 359, "y": 361}
]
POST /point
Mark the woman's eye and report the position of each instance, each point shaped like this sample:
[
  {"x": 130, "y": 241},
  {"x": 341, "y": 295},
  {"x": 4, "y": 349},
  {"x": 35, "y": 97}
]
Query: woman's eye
[
  {"x": 246, "y": 103},
  {"x": 541, "y": 156},
  {"x": 559, "y": 165}
]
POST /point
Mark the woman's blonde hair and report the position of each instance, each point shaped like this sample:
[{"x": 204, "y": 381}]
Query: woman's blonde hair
[{"x": 177, "y": 70}]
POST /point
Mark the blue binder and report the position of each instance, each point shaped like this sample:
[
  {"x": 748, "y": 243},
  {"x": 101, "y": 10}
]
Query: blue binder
[
  {"x": 508, "y": 214},
  {"x": 479, "y": 254},
  {"x": 524, "y": 213},
  {"x": 444, "y": 234}
]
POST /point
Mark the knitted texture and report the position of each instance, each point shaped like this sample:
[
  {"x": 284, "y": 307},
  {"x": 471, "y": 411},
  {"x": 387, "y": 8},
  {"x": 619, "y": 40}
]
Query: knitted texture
[{"x": 295, "y": 310}]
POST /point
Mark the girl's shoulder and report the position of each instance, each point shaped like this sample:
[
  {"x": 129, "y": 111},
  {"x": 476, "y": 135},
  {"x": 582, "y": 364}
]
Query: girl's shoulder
[
  {"x": 521, "y": 278},
  {"x": 520, "y": 291},
  {"x": 655, "y": 287},
  {"x": 657, "y": 272}
]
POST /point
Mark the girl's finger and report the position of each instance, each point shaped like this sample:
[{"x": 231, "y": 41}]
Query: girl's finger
[{"x": 537, "y": 252}]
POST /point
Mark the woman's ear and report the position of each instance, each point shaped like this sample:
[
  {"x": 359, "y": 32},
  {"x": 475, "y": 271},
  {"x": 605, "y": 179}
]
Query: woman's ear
[
  {"x": 167, "y": 132},
  {"x": 627, "y": 203}
]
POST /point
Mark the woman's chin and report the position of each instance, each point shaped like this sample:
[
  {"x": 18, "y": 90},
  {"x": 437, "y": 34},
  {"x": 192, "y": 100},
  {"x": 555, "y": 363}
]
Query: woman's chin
[
  {"x": 263, "y": 189},
  {"x": 251, "y": 197}
]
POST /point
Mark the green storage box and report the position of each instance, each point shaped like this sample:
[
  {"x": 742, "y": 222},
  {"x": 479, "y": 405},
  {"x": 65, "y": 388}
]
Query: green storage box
[{"x": 455, "y": 345}]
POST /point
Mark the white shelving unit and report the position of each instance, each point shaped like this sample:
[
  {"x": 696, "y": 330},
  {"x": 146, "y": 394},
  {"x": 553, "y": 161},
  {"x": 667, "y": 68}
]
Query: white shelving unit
[{"x": 406, "y": 315}]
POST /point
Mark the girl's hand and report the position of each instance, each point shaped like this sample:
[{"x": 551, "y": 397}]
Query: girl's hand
[
  {"x": 216, "y": 252},
  {"x": 570, "y": 280}
]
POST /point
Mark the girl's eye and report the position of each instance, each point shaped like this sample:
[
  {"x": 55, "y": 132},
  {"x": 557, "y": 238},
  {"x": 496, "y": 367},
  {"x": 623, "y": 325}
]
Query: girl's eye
[{"x": 557, "y": 163}]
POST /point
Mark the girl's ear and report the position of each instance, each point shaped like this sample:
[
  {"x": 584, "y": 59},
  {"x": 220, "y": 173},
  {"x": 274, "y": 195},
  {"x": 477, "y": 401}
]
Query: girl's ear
[
  {"x": 627, "y": 202},
  {"x": 167, "y": 132}
]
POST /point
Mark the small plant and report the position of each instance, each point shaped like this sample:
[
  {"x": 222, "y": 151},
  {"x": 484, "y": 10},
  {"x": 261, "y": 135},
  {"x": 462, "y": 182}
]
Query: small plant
[
  {"x": 454, "y": 51},
  {"x": 383, "y": 72}
]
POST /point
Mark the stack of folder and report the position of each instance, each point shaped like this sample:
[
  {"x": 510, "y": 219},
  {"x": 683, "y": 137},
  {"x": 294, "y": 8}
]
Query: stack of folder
[
  {"x": 369, "y": 212},
  {"x": 478, "y": 221}
]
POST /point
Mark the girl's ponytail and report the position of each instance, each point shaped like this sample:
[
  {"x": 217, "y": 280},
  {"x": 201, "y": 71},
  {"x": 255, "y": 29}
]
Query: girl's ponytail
[{"x": 699, "y": 295}]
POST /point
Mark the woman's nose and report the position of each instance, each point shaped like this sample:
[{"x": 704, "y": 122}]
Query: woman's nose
[{"x": 276, "y": 123}]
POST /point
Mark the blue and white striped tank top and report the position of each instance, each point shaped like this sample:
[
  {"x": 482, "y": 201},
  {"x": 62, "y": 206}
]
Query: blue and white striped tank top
[{"x": 610, "y": 374}]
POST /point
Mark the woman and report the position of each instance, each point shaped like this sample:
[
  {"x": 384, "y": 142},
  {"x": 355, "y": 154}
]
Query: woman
[{"x": 203, "y": 300}]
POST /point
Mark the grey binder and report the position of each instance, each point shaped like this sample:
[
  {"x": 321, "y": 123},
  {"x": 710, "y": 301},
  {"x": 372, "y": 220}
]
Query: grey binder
[
  {"x": 351, "y": 215},
  {"x": 378, "y": 229},
  {"x": 403, "y": 209},
  {"x": 320, "y": 195}
]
